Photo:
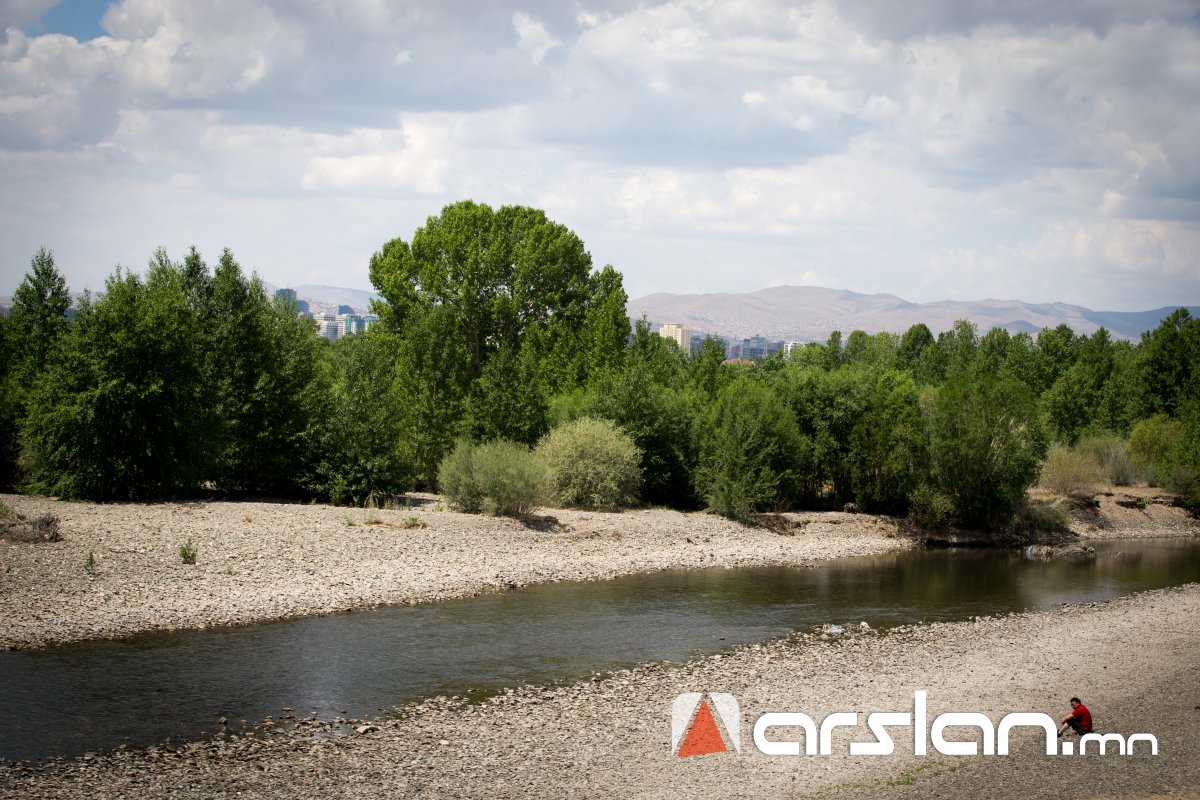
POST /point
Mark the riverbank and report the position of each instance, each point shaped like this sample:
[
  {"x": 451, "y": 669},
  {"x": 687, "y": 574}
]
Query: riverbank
[
  {"x": 118, "y": 569},
  {"x": 611, "y": 737}
]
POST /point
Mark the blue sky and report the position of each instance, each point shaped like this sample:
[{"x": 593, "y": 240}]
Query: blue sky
[{"x": 935, "y": 150}]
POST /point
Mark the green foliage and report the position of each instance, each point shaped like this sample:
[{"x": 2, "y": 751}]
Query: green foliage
[
  {"x": 1111, "y": 457},
  {"x": 887, "y": 450},
  {"x": 29, "y": 335},
  {"x": 458, "y": 481},
  {"x": 122, "y": 411},
  {"x": 39, "y": 315},
  {"x": 985, "y": 445},
  {"x": 361, "y": 441},
  {"x": 827, "y": 407},
  {"x": 750, "y": 452},
  {"x": 507, "y": 402},
  {"x": 930, "y": 509},
  {"x": 591, "y": 463},
  {"x": 646, "y": 398},
  {"x": 477, "y": 285},
  {"x": 1068, "y": 472},
  {"x": 263, "y": 370},
  {"x": 187, "y": 552},
  {"x": 1152, "y": 443},
  {"x": 499, "y": 478}
]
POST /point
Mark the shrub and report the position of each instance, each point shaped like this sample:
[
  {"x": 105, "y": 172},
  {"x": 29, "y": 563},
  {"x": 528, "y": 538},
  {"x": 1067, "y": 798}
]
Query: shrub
[
  {"x": 511, "y": 478},
  {"x": 1045, "y": 516},
  {"x": 501, "y": 478},
  {"x": 1111, "y": 457},
  {"x": 1068, "y": 472},
  {"x": 456, "y": 476},
  {"x": 591, "y": 463},
  {"x": 930, "y": 509},
  {"x": 1151, "y": 444}
]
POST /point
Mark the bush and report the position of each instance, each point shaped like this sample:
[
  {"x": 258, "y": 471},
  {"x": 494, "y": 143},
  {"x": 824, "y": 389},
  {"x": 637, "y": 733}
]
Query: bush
[
  {"x": 1151, "y": 444},
  {"x": 591, "y": 463},
  {"x": 456, "y": 476},
  {"x": 500, "y": 478},
  {"x": 1045, "y": 516},
  {"x": 1111, "y": 457},
  {"x": 930, "y": 509},
  {"x": 1068, "y": 472}
]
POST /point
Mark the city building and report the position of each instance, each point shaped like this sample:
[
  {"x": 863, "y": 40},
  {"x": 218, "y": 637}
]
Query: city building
[
  {"x": 677, "y": 333},
  {"x": 327, "y": 326}
]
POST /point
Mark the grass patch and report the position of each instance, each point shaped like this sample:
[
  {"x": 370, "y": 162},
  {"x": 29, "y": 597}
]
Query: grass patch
[
  {"x": 413, "y": 523},
  {"x": 187, "y": 552},
  {"x": 89, "y": 566}
]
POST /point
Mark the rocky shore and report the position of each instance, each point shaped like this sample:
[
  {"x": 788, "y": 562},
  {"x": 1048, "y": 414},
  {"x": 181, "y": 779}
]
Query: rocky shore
[
  {"x": 1133, "y": 660},
  {"x": 118, "y": 568}
]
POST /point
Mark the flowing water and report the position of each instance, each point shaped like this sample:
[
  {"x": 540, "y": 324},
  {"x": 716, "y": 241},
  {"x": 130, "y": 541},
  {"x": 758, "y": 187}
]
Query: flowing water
[{"x": 65, "y": 700}]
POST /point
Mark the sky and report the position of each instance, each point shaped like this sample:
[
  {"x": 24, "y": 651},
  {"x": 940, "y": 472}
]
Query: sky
[{"x": 933, "y": 149}]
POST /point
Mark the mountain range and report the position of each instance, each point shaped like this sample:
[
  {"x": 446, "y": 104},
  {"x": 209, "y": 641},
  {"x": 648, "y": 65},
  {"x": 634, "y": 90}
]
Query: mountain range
[{"x": 811, "y": 313}]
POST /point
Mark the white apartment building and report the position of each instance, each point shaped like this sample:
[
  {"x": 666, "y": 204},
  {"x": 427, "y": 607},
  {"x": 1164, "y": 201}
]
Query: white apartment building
[{"x": 680, "y": 335}]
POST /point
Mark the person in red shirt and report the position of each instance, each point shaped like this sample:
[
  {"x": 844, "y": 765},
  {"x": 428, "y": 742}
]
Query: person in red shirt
[{"x": 1079, "y": 720}]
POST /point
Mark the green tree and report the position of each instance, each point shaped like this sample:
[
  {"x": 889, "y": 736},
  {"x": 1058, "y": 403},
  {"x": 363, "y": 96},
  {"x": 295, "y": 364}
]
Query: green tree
[
  {"x": 122, "y": 411},
  {"x": 707, "y": 372},
  {"x": 985, "y": 447},
  {"x": 38, "y": 316},
  {"x": 483, "y": 282},
  {"x": 750, "y": 452},
  {"x": 646, "y": 398},
  {"x": 887, "y": 454},
  {"x": 361, "y": 442}
]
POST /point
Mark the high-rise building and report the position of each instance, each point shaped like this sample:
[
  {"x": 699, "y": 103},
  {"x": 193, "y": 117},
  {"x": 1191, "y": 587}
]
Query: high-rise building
[
  {"x": 327, "y": 326},
  {"x": 677, "y": 333},
  {"x": 350, "y": 323}
]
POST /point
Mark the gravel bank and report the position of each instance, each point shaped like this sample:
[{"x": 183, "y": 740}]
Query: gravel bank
[
  {"x": 261, "y": 561},
  {"x": 1133, "y": 660}
]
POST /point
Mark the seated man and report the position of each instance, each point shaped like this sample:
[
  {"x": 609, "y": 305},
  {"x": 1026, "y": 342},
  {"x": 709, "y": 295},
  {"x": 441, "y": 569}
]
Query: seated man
[{"x": 1080, "y": 719}]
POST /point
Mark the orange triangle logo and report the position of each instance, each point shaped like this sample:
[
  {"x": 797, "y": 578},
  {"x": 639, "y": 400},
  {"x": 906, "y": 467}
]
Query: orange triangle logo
[{"x": 703, "y": 737}]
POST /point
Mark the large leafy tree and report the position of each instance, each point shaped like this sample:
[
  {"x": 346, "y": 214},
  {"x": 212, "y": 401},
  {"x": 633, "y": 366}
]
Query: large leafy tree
[
  {"x": 477, "y": 284},
  {"x": 122, "y": 411},
  {"x": 986, "y": 445},
  {"x": 361, "y": 446},
  {"x": 263, "y": 373},
  {"x": 31, "y": 332}
]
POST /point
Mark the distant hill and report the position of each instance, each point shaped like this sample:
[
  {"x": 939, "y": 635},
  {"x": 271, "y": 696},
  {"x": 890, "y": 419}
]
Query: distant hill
[
  {"x": 810, "y": 313},
  {"x": 328, "y": 298}
]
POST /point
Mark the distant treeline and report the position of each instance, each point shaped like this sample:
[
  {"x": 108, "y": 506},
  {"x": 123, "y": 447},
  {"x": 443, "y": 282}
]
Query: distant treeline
[{"x": 495, "y": 326}]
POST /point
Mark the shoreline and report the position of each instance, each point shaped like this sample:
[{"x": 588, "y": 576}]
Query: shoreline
[
  {"x": 611, "y": 736},
  {"x": 258, "y": 562}
]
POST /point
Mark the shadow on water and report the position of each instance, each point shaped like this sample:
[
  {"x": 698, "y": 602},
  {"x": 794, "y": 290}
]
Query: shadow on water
[{"x": 95, "y": 695}]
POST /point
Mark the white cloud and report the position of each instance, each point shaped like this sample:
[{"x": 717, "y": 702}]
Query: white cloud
[
  {"x": 946, "y": 151},
  {"x": 532, "y": 37}
]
